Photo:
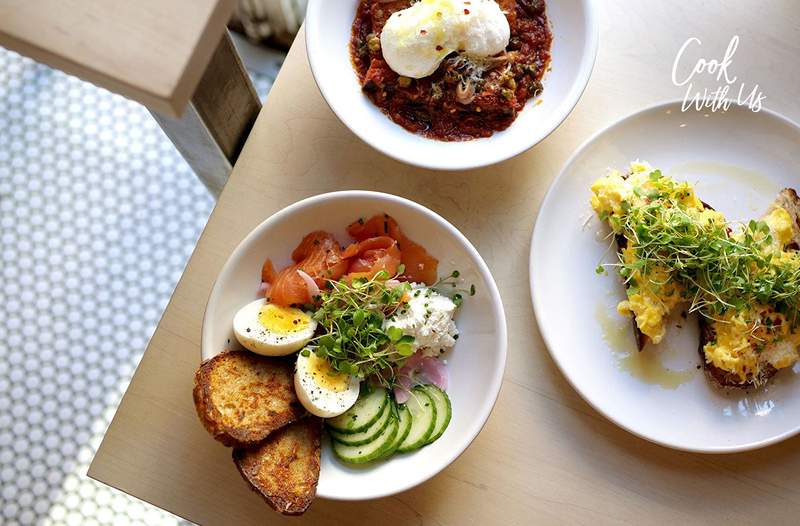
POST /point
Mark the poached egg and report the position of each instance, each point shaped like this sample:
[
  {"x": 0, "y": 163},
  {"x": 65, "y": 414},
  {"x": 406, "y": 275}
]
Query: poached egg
[
  {"x": 323, "y": 391},
  {"x": 415, "y": 40},
  {"x": 272, "y": 330}
]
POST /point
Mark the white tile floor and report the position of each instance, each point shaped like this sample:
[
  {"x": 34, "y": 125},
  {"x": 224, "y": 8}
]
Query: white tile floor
[{"x": 98, "y": 216}]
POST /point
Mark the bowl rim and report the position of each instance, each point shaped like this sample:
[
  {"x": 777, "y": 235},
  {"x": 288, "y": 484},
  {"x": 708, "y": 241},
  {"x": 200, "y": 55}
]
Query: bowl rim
[
  {"x": 450, "y": 162},
  {"x": 538, "y": 301},
  {"x": 480, "y": 416}
]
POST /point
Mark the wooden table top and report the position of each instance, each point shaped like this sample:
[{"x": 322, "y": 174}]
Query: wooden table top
[
  {"x": 152, "y": 51},
  {"x": 544, "y": 454}
]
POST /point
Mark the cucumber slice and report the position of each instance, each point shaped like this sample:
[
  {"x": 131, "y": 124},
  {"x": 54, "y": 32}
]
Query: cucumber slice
[
  {"x": 423, "y": 419},
  {"x": 369, "y": 434},
  {"x": 443, "y": 411},
  {"x": 404, "y": 422},
  {"x": 366, "y": 452},
  {"x": 365, "y": 412}
]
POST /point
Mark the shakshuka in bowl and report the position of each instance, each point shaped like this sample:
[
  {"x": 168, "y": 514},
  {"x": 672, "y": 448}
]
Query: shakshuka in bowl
[{"x": 451, "y": 84}]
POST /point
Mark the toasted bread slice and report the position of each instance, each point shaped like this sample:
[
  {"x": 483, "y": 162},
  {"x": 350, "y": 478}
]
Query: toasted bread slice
[
  {"x": 790, "y": 201},
  {"x": 641, "y": 338},
  {"x": 284, "y": 468},
  {"x": 242, "y": 397},
  {"x": 720, "y": 376}
]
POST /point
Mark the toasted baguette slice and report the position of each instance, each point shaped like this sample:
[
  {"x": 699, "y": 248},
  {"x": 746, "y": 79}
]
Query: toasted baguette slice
[
  {"x": 788, "y": 200},
  {"x": 284, "y": 468},
  {"x": 242, "y": 397},
  {"x": 720, "y": 376},
  {"x": 641, "y": 338}
]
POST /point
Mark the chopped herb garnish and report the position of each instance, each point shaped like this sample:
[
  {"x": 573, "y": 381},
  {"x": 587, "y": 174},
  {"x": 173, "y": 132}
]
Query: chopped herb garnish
[{"x": 352, "y": 315}]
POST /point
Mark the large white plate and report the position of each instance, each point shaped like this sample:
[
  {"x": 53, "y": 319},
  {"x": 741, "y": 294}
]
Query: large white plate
[
  {"x": 738, "y": 160},
  {"x": 475, "y": 365}
]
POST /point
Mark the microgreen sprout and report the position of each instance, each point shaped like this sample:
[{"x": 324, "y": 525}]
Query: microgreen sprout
[
  {"x": 351, "y": 314},
  {"x": 719, "y": 265},
  {"x": 455, "y": 293}
]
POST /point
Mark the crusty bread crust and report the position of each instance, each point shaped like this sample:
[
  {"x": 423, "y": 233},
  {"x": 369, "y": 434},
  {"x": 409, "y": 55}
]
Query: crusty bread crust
[
  {"x": 789, "y": 200},
  {"x": 242, "y": 397},
  {"x": 284, "y": 468}
]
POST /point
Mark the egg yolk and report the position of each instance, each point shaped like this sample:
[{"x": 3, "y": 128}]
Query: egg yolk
[
  {"x": 321, "y": 372},
  {"x": 282, "y": 320}
]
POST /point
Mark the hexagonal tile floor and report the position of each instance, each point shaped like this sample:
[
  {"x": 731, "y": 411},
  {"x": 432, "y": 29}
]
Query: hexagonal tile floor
[{"x": 98, "y": 216}]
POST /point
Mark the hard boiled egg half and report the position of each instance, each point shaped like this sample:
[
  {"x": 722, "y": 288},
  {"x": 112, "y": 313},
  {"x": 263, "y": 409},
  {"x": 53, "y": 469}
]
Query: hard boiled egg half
[
  {"x": 272, "y": 330},
  {"x": 323, "y": 391}
]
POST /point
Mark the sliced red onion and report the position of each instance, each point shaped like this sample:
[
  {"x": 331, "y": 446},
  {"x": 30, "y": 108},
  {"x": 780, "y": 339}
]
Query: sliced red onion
[
  {"x": 402, "y": 391},
  {"x": 435, "y": 372},
  {"x": 313, "y": 289},
  {"x": 419, "y": 370}
]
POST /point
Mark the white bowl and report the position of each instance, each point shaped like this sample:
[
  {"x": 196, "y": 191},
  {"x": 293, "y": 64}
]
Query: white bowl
[
  {"x": 575, "y": 34},
  {"x": 476, "y": 365},
  {"x": 738, "y": 161}
]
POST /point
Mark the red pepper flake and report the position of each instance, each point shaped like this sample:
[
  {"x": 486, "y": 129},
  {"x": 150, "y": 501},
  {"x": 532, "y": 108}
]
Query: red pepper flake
[
  {"x": 423, "y": 32},
  {"x": 466, "y": 11},
  {"x": 439, "y": 48}
]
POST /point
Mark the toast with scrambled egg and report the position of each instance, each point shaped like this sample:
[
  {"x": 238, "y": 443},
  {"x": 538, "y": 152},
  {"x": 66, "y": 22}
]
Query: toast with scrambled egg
[
  {"x": 746, "y": 347},
  {"x": 652, "y": 293},
  {"x": 242, "y": 397},
  {"x": 284, "y": 468},
  {"x": 675, "y": 251}
]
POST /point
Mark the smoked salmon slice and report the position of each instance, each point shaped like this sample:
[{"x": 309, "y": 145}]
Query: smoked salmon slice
[
  {"x": 381, "y": 245},
  {"x": 268, "y": 273},
  {"x": 289, "y": 288},
  {"x": 318, "y": 255},
  {"x": 420, "y": 267},
  {"x": 368, "y": 257}
]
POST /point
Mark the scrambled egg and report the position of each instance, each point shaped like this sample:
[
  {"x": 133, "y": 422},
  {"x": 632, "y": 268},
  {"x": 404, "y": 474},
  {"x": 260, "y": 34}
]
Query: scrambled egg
[
  {"x": 652, "y": 300},
  {"x": 610, "y": 192},
  {"x": 747, "y": 339},
  {"x": 652, "y": 295},
  {"x": 781, "y": 227}
]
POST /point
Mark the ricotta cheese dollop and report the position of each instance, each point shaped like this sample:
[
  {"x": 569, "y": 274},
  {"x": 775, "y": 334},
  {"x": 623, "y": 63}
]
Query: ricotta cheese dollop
[
  {"x": 415, "y": 40},
  {"x": 429, "y": 319}
]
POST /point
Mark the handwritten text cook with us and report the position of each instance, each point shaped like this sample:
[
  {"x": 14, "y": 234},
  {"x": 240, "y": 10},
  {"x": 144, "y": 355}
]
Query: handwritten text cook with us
[{"x": 728, "y": 92}]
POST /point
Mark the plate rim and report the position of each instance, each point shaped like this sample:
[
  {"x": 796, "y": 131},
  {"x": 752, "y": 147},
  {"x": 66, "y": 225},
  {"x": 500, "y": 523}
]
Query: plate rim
[
  {"x": 454, "y": 163},
  {"x": 538, "y": 301},
  {"x": 496, "y": 380}
]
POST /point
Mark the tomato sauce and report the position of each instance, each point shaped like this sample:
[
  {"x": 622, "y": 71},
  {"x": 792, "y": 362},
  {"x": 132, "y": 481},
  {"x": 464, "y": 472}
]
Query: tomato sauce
[{"x": 455, "y": 103}]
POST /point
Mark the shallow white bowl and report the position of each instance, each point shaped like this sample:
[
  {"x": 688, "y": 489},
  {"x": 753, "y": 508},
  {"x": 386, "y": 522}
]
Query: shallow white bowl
[
  {"x": 739, "y": 161},
  {"x": 575, "y": 34},
  {"x": 476, "y": 365}
]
